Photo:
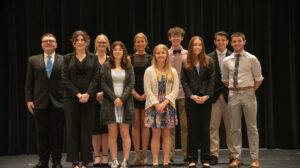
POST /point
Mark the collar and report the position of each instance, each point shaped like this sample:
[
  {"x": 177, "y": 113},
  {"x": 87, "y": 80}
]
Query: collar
[
  {"x": 219, "y": 52},
  {"x": 52, "y": 55},
  {"x": 241, "y": 53},
  {"x": 171, "y": 49}
]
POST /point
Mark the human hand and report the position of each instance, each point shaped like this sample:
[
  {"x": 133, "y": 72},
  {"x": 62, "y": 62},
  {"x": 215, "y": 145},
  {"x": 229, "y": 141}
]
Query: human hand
[
  {"x": 99, "y": 97},
  {"x": 142, "y": 97},
  {"x": 118, "y": 102},
  {"x": 30, "y": 107},
  {"x": 84, "y": 98}
]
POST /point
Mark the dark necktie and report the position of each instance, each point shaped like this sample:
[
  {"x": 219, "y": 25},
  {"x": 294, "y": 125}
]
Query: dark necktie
[
  {"x": 236, "y": 70},
  {"x": 176, "y": 51},
  {"x": 49, "y": 66}
]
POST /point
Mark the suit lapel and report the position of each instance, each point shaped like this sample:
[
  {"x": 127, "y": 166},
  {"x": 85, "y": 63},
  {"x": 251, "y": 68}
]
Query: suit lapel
[
  {"x": 42, "y": 64},
  {"x": 217, "y": 64}
]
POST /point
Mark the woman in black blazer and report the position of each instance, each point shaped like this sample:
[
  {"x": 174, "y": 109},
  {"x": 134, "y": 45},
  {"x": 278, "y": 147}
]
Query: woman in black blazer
[
  {"x": 197, "y": 79},
  {"x": 80, "y": 77},
  {"x": 117, "y": 82}
]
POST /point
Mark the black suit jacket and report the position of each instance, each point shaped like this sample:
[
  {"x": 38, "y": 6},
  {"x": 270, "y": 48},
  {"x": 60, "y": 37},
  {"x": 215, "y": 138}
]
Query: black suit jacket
[
  {"x": 40, "y": 89},
  {"x": 74, "y": 81},
  {"x": 219, "y": 86},
  {"x": 198, "y": 84}
]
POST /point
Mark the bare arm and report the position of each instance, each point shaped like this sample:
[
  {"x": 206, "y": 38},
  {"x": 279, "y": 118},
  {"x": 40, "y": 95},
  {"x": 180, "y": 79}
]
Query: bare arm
[{"x": 256, "y": 85}]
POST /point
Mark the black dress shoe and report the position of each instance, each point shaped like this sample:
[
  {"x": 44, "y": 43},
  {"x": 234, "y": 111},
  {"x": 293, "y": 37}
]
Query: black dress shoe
[
  {"x": 41, "y": 165},
  {"x": 57, "y": 165},
  {"x": 213, "y": 160},
  {"x": 97, "y": 165}
]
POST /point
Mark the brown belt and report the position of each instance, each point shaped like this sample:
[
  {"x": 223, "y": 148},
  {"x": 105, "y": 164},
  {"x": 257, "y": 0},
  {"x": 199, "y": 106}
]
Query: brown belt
[{"x": 241, "y": 88}]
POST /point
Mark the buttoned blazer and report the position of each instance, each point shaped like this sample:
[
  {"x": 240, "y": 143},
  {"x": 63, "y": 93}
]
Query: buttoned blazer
[
  {"x": 38, "y": 87},
  {"x": 198, "y": 84}
]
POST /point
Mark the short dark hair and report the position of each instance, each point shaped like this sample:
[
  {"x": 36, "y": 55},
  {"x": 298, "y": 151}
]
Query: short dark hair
[
  {"x": 222, "y": 33},
  {"x": 176, "y": 31},
  {"x": 124, "y": 62},
  {"x": 47, "y": 35},
  {"x": 238, "y": 34}
]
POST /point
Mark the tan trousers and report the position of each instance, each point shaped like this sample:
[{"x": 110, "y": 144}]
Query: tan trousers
[
  {"x": 219, "y": 110},
  {"x": 183, "y": 130},
  {"x": 243, "y": 102}
]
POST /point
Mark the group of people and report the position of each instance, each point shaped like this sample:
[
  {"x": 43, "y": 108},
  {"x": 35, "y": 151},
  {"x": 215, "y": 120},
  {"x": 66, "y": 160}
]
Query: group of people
[{"x": 100, "y": 94}]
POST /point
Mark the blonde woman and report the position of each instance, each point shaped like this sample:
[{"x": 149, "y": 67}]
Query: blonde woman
[
  {"x": 161, "y": 86},
  {"x": 100, "y": 134},
  {"x": 140, "y": 60}
]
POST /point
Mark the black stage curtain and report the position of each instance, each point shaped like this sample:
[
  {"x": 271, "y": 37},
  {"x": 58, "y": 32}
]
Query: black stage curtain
[{"x": 271, "y": 28}]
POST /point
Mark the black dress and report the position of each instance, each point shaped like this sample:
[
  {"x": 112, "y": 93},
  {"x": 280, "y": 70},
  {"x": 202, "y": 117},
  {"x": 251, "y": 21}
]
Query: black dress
[
  {"x": 99, "y": 128},
  {"x": 140, "y": 64}
]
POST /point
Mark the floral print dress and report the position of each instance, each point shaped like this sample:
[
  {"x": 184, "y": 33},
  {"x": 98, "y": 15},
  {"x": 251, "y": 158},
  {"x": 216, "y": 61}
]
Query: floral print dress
[{"x": 166, "y": 119}]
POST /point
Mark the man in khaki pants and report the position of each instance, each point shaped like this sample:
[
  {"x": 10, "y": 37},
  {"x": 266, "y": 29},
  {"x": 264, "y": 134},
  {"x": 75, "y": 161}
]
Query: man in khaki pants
[
  {"x": 241, "y": 73},
  {"x": 219, "y": 100}
]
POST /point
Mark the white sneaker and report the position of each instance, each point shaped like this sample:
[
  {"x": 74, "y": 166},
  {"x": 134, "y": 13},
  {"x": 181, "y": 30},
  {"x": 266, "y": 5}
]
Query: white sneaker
[
  {"x": 114, "y": 164},
  {"x": 124, "y": 164}
]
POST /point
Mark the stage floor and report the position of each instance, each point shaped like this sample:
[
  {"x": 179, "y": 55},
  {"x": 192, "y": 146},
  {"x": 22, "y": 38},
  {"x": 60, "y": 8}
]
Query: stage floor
[{"x": 269, "y": 158}]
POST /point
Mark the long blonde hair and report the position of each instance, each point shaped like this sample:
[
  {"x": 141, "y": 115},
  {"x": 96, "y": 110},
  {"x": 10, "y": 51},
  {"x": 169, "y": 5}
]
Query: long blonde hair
[{"x": 167, "y": 67}]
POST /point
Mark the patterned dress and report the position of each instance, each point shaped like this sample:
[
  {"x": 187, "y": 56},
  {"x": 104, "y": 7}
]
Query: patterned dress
[{"x": 167, "y": 119}]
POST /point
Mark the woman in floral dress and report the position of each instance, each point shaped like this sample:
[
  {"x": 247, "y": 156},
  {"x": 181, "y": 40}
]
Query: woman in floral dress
[{"x": 161, "y": 87}]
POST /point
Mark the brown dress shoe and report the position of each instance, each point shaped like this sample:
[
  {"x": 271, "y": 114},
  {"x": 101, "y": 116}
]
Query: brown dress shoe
[
  {"x": 254, "y": 164},
  {"x": 235, "y": 163}
]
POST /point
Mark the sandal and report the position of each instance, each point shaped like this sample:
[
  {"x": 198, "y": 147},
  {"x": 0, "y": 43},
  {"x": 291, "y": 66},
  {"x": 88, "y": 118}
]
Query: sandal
[
  {"x": 104, "y": 164},
  {"x": 97, "y": 164},
  {"x": 84, "y": 165},
  {"x": 75, "y": 165}
]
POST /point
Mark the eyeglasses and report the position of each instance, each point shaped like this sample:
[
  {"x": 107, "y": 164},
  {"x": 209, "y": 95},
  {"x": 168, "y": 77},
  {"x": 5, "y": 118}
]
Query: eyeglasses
[
  {"x": 48, "y": 41},
  {"x": 117, "y": 49}
]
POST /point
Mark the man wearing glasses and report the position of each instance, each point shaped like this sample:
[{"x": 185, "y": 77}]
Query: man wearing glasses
[{"x": 44, "y": 98}]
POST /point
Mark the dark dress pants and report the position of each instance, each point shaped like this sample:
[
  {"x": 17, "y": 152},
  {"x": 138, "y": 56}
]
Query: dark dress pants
[
  {"x": 80, "y": 124},
  {"x": 198, "y": 120},
  {"x": 49, "y": 125}
]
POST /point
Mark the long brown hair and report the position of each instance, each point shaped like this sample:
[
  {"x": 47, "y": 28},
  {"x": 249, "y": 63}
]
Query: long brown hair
[
  {"x": 192, "y": 57},
  {"x": 167, "y": 67},
  {"x": 124, "y": 62}
]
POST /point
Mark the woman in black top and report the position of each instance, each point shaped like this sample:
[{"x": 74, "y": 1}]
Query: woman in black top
[
  {"x": 100, "y": 134},
  {"x": 80, "y": 77},
  {"x": 197, "y": 79},
  {"x": 140, "y": 61}
]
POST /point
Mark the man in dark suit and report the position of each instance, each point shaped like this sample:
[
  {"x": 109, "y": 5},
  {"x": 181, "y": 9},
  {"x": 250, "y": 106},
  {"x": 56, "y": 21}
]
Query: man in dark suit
[
  {"x": 219, "y": 100},
  {"x": 44, "y": 98}
]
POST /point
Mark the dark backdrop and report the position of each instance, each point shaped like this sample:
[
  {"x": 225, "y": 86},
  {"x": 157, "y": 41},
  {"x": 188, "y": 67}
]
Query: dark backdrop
[{"x": 271, "y": 28}]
